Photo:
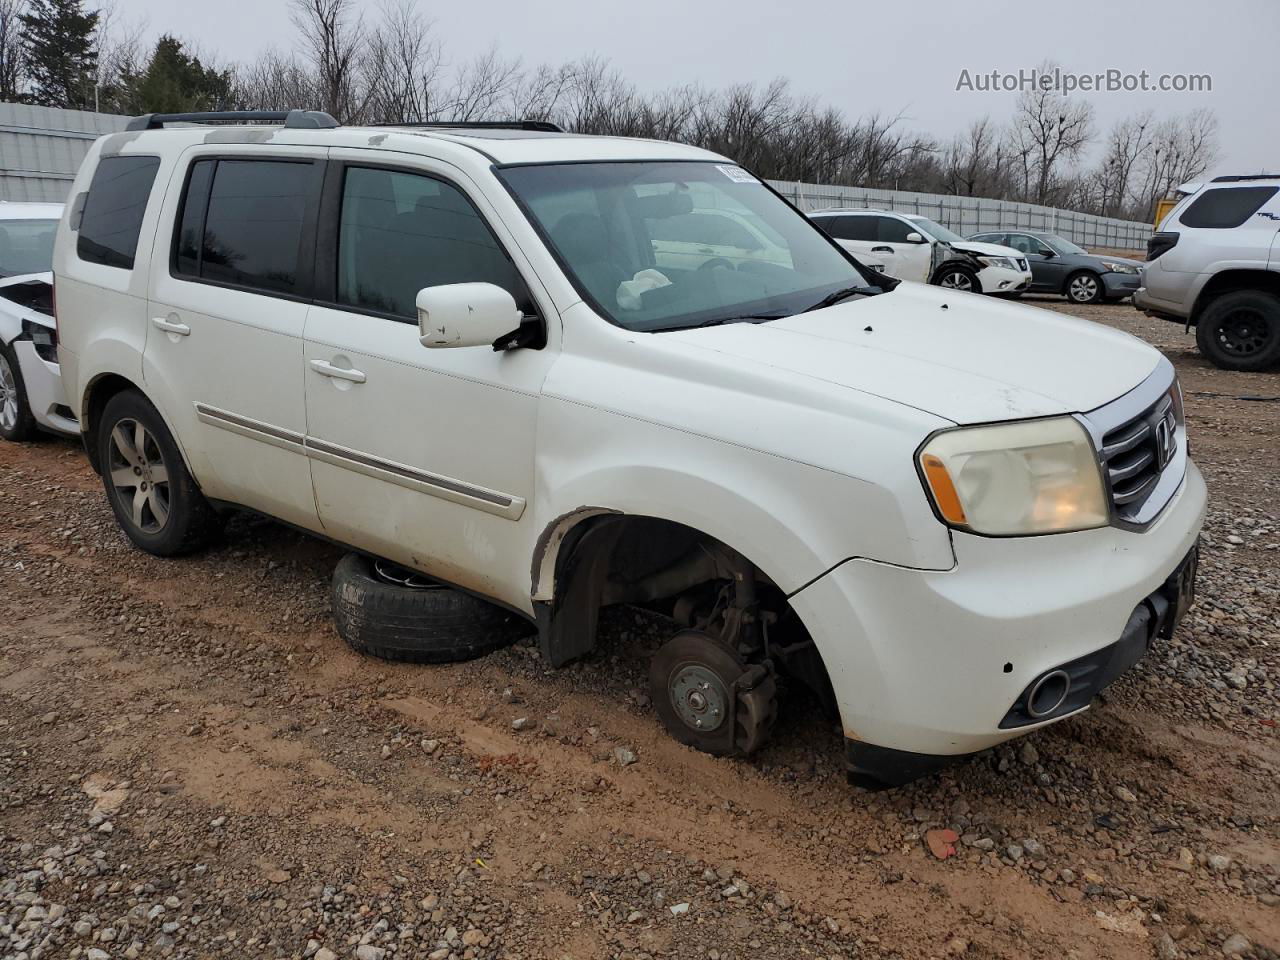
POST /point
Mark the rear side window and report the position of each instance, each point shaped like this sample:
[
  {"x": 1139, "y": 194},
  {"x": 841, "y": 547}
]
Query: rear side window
[
  {"x": 853, "y": 228},
  {"x": 114, "y": 208},
  {"x": 1224, "y": 208},
  {"x": 242, "y": 223}
]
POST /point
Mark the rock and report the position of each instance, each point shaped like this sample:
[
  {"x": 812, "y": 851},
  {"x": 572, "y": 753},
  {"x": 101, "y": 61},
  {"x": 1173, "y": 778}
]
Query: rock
[
  {"x": 635, "y": 916},
  {"x": 956, "y": 947},
  {"x": 278, "y": 876},
  {"x": 1013, "y": 852},
  {"x": 386, "y": 751},
  {"x": 94, "y": 953},
  {"x": 1034, "y": 848},
  {"x": 1236, "y": 945},
  {"x": 324, "y": 953},
  {"x": 1124, "y": 793},
  {"x": 430, "y": 746},
  {"x": 1186, "y": 861},
  {"x": 472, "y": 938},
  {"x": 679, "y": 909},
  {"x": 1166, "y": 949},
  {"x": 1028, "y": 753},
  {"x": 624, "y": 755},
  {"x": 521, "y": 723},
  {"x": 367, "y": 951},
  {"x": 82, "y": 928},
  {"x": 941, "y": 843},
  {"x": 1218, "y": 863}
]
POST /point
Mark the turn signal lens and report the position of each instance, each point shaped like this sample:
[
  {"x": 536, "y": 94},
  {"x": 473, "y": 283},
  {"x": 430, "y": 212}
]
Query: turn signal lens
[{"x": 944, "y": 491}]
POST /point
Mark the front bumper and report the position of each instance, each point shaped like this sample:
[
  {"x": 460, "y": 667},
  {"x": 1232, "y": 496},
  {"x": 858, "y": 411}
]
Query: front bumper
[
  {"x": 45, "y": 395},
  {"x": 1121, "y": 284},
  {"x": 932, "y": 662},
  {"x": 1001, "y": 280}
]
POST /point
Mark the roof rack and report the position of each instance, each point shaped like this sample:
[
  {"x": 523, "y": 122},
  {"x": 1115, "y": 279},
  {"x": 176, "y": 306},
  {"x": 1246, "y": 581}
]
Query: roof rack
[
  {"x": 295, "y": 119},
  {"x": 543, "y": 126},
  {"x": 1240, "y": 178}
]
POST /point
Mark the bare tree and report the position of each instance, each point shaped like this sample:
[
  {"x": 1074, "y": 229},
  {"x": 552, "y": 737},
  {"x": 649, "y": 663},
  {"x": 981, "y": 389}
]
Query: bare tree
[
  {"x": 333, "y": 39},
  {"x": 402, "y": 65},
  {"x": 1050, "y": 132},
  {"x": 11, "y": 52},
  {"x": 1182, "y": 148}
]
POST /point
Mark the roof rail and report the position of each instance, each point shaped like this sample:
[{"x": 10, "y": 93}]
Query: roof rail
[
  {"x": 543, "y": 126},
  {"x": 304, "y": 119},
  {"x": 1240, "y": 178}
]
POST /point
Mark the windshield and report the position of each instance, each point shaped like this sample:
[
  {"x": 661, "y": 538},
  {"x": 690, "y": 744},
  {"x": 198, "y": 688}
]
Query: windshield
[
  {"x": 1062, "y": 245},
  {"x": 936, "y": 230},
  {"x": 26, "y": 246},
  {"x": 669, "y": 245}
]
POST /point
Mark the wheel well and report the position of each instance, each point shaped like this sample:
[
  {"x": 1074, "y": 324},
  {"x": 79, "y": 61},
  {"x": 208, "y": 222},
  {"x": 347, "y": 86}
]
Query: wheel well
[
  {"x": 1229, "y": 281},
  {"x": 98, "y": 395},
  {"x": 609, "y": 558}
]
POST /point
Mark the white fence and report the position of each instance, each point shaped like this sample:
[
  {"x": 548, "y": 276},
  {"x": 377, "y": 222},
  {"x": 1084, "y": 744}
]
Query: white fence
[
  {"x": 970, "y": 215},
  {"x": 41, "y": 148}
]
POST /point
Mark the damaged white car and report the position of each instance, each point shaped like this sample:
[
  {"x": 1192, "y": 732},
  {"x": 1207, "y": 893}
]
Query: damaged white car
[{"x": 501, "y": 357}]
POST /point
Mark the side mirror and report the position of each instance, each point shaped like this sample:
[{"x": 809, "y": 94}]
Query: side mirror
[
  {"x": 914, "y": 237},
  {"x": 465, "y": 314},
  {"x": 1047, "y": 252}
]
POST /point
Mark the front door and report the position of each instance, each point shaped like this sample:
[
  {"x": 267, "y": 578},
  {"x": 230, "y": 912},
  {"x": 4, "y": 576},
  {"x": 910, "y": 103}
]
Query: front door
[
  {"x": 1047, "y": 270},
  {"x": 223, "y": 355},
  {"x": 913, "y": 258},
  {"x": 424, "y": 456}
]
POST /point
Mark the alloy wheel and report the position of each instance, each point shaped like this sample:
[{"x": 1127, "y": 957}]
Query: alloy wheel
[
  {"x": 957, "y": 280},
  {"x": 8, "y": 395},
  {"x": 139, "y": 476},
  {"x": 1084, "y": 289}
]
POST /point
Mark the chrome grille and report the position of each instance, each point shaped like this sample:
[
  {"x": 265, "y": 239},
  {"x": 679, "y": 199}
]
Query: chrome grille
[{"x": 1136, "y": 453}]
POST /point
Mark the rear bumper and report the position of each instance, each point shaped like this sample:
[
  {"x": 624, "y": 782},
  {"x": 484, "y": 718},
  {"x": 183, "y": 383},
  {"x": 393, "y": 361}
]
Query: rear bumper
[{"x": 1162, "y": 309}]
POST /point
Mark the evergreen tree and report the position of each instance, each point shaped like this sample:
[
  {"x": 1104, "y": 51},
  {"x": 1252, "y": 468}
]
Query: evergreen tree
[
  {"x": 173, "y": 82},
  {"x": 61, "y": 57}
]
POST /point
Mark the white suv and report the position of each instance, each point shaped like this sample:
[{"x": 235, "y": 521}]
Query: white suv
[
  {"x": 464, "y": 350},
  {"x": 1215, "y": 262},
  {"x": 915, "y": 248}
]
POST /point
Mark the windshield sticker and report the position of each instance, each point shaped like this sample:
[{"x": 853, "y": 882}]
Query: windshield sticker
[{"x": 737, "y": 174}]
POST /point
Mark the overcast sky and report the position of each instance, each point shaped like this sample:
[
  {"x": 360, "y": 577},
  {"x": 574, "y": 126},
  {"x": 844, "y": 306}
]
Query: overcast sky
[{"x": 894, "y": 57}]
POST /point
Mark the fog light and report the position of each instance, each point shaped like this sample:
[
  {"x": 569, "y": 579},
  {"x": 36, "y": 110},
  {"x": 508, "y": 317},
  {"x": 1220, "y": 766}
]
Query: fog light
[{"x": 1003, "y": 284}]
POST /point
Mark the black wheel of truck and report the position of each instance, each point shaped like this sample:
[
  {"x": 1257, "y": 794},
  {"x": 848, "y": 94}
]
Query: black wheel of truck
[
  {"x": 709, "y": 698},
  {"x": 393, "y": 613},
  {"x": 1241, "y": 331},
  {"x": 154, "y": 498}
]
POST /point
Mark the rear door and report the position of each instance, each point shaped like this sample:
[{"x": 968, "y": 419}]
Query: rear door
[{"x": 228, "y": 302}]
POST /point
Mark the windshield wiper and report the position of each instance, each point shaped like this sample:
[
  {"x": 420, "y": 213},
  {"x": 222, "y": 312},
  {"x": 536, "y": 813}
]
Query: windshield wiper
[
  {"x": 831, "y": 299},
  {"x": 718, "y": 321}
]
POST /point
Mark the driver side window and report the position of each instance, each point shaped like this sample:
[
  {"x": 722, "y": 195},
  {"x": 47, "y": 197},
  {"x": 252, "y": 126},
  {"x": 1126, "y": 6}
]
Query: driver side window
[
  {"x": 893, "y": 230},
  {"x": 400, "y": 232}
]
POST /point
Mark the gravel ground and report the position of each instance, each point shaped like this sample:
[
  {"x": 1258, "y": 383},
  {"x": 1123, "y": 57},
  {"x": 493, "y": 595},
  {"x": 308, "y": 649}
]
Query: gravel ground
[{"x": 193, "y": 765}]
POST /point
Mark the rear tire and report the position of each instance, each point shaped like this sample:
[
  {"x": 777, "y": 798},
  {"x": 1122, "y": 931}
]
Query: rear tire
[
  {"x": 1241, "y": 331},
  {"x": 388, "y": 612},
  {"x": 154, "y": 498},
  {"x": 17, "y": 423}
]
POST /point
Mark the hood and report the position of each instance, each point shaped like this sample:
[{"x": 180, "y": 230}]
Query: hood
[
  {"x": 987, "y": 249},
  {"x": 960, "y": 356}
]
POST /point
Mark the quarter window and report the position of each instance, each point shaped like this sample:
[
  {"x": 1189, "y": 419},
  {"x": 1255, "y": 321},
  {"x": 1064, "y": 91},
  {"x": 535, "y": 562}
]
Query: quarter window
[
  {"x": 400, "y": 232},
  {"x": 1225, "y": 208},
  {"x": 242, "y": 222},
  {"x": 113, "y": 210}
]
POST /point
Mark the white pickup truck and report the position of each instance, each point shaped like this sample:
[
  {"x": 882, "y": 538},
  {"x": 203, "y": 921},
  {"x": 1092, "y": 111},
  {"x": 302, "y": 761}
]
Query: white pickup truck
[{"x": 487, "y": 354}]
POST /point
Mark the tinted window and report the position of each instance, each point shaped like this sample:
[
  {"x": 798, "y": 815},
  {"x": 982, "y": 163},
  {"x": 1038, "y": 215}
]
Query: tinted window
[
  {"x": 893, "y": 230},
  {"x": 253, "y": 223},
  {"x": 1223, "y": 209},
  {"x": 1020, "y": 242},
  {"x": 853, "y": 228},
  {"x": 26, "y": 246},
  {"x": 191, "y": 225},
  {"x": 401, "y": 232},
  {"x": 113, "y": 210}
]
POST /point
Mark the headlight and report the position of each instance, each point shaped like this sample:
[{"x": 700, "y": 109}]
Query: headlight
[
  {"x": 1015, "y": 479},
  {"x": 1112, "y": 267},
  {"x": 1005, "y": 262}
]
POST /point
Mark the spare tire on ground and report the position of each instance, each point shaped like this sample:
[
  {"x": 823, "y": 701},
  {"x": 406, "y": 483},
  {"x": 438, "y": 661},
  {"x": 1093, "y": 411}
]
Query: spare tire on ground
[{"x": 390, "y": 612}]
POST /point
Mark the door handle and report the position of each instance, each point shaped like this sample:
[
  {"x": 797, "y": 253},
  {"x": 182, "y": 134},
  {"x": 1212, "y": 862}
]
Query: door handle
[
  {"x": 327, "y": 369},
  {"x": 882, "y": 249},
  {"x": 171, "y": 326}
]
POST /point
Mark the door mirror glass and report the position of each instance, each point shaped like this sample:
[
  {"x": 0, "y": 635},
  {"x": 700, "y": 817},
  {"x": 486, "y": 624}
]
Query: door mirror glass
[
  {"x": 1046, "y": 252},
  {"x": 465, "y": 314},
  {"x": 914, "y": 237}
]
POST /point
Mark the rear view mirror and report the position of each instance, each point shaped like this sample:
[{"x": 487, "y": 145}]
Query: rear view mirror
[
  {"x": 465, "y": 314},
  {"x": 914, "y": 237}
]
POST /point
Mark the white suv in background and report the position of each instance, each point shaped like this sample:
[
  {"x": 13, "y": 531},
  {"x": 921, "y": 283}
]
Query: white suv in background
[
  {"x": 915, "y": 248},
  {"x": 1214, "y": 263},
  {"x": 471, "y": 352}
]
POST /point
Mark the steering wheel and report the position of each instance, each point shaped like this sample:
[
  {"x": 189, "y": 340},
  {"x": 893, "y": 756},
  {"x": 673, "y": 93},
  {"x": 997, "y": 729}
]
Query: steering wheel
[{"x": 716, "y": 263}]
